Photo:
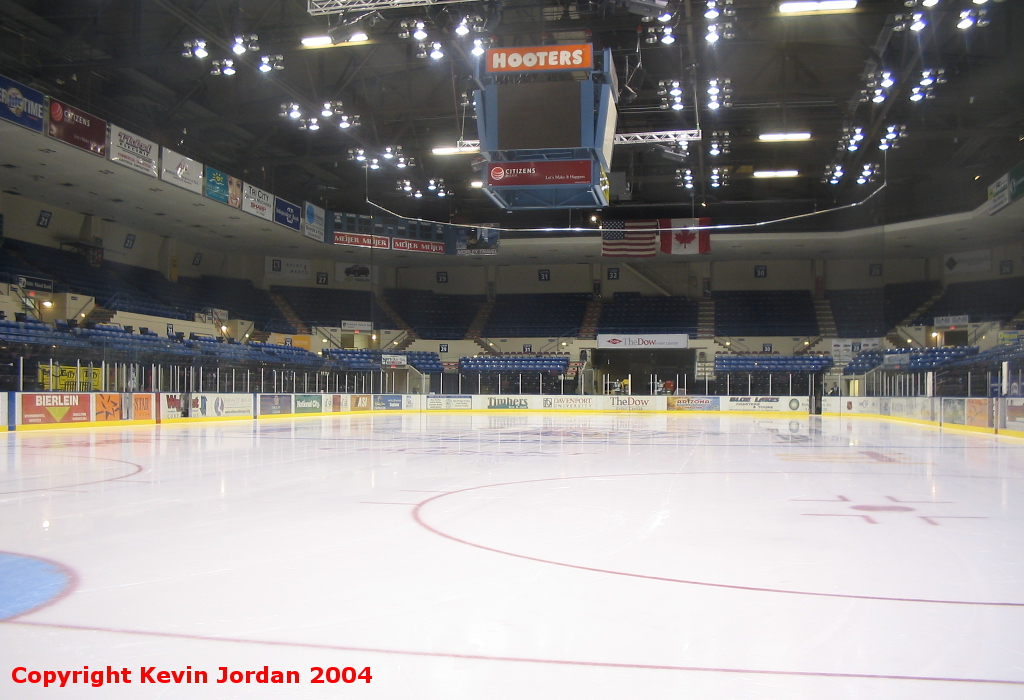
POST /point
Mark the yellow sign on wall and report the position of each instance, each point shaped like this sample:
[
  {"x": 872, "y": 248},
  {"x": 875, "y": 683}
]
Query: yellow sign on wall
[{"x": 70, "y": 378}]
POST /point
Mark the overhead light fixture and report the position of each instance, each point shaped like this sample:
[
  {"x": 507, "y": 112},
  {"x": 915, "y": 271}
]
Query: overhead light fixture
[
  {"x": 420, "y": 32},
  {"x": 457, "y": 149},
  {"x": 712, "y": 12},
  {"x": 476, "y": 184},
  {"x": 820, "y": 6},
  {"x": 291, "y": 110},
  {"x": 835, "y": 174},
  {"x": 245, "y": 42},
  {"x": 917, "y": 22},
  {"x": 793, "y": 136},
  {"x": 666, "y": 36},
  {"x": 223, "y": 67},
  {"x": 463, "y": 27},
  {"x": 665, "y": 17},
  {"x": 315, "y": 41},
  {"x": 436, "y": 52},
  {"x": 762, "y": 174},
  {"x": 195, "y": 48},
  {"x": 966, "y": 20},
  {"x": 712, "y": 36},
  {"x": 359, "y": 35},
  {"x": 417, "y": 194},
  {"x": 478, "y": 47},
  {"x": 271, "y": 63}
]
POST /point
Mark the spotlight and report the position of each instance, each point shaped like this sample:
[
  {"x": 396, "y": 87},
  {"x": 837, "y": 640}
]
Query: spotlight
[
  {"x": 666, "y": 36},
  {"x": 463, "y": 28},
  {"x": 478, "y": 47},
  {"x": 435, "y": 51},
  {"x": 712, "y": 36},
  {"x": 293, "y": 110},
  {"x": 712, "y": 12},
  {"x": 417, "y": 194},
  {"x": 359, "y": 35},
  {"x": 918, "y": 22},
  {"x": 374, "y": 164},
  {"x": 421, "y": 33}
]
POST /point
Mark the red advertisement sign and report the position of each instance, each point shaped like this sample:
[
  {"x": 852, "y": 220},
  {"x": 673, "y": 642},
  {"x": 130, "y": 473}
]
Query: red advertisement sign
[
  {"x": 417, "y": 246},
  {"x": 81, "y": 129},
  {"x": 37, "y": 409},
  {"x": 362, "y": 240},
  {"x": 528, "y": 59},
  {"x": 544, "y": 172}
]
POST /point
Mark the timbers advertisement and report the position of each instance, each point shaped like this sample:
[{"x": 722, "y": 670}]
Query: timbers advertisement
[{"x": 40, "y": 409}]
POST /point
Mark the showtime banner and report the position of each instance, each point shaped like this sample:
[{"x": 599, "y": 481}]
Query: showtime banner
[
  {"x": 257, "y": 202},
  {"x": 41, "y": 409},
  {"x": 80, "y": 129},
  {"x": 544, "y": 172},
  {"x": 362, "y": 240},
  {"x": 530, "y": 59},
  {"x": 181, "y": 171},
  {"x": 633, "y": 342},
  {"x": 287, "y": 214},
  {"x": 223, "y": 188},
  {"x": 133, "y": 151},
  {"x": 22, "y": 105},
  {"x": 415, "y": 246},
  {"x": 314, "y": 222},
  {"x": 681, "y": 238}
]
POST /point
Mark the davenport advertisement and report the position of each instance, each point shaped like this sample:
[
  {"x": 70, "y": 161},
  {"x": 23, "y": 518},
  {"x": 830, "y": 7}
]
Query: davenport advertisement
[
  {"x": 693, "y": 403},
  {"x": 78, "y": 128},
  {"x": 572, "y": 403},
  {"x": 448, "y": 403},
  {"x": 40, "y": 409}
]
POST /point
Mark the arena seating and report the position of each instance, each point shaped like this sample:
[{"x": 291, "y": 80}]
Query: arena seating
[
  {"x": 426, "y": 362},
  {"x": 435, "y": 316},
  {"x": 903, "y": 298},
  {"x": 329, "y": 307},
  {"x": 515, "y": 363},
  {"x": 930, "y": 358},
  {"x": 859, "y": 313},
  {"x": 772, "y": 363},
  {"x": 765, "y": 313},
  {"x": 631, "y": 313},
  {"x": 991, "y": 300},
  {"x": 536, "y": 315},
  {"x": 863, "y": 362},
  {"x": 241, "y": 299}
]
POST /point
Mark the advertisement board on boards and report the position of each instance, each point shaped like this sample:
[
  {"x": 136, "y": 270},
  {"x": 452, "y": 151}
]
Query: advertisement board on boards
[
  {"x": 41, "y": 409},
  {"x": 572, "y": 403},
  {"x": 275, "y": 404},
  {"x": 448, "y": 403},
  {"x": 693, "y": 403},
  {"x": 309, "y": 403}
]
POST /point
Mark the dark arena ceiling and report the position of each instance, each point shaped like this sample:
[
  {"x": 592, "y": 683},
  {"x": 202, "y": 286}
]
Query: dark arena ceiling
[{"x": 789, "y": 73}]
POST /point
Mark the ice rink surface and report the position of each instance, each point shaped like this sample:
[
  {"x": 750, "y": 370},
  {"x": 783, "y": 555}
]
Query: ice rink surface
[{"x": 519, "y": 556}]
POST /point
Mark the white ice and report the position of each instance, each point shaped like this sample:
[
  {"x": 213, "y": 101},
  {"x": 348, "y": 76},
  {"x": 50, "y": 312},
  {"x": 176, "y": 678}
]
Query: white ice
[{"x": 550, "y": 556}]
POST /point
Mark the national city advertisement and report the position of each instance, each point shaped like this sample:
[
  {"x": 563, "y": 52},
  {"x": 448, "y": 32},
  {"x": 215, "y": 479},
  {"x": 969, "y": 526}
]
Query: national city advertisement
[
  {"x": 309, "y": 403},
  {"x": 21, "y": 105},
  {"x": 133, "y": 151},
  {"x": 41, "y": 409},
  {"x": 77, "y": 127}
]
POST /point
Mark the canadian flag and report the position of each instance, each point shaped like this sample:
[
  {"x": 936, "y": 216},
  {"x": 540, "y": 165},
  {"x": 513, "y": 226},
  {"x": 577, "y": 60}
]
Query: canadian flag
[{"x": 681, "y": 238}]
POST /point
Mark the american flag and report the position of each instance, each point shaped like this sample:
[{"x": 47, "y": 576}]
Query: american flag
[{"x": 630, "y": 239}]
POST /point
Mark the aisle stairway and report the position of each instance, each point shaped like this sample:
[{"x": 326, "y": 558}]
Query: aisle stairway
[
  {"x": 921, "y": 309},
  {"x": 289, "y": 313},
  {"x": 591, "y": 319},
  {"x": 476, "y": 326},
  {"x": 706, "y": 318},
  {"x": 826, "y": 321}
]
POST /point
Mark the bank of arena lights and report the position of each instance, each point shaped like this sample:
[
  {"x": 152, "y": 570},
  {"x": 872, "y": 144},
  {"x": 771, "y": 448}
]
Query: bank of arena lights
[
  {"x": 890, "y": 140},
  {"x": 852, "y": 138},
  {"x": 719, "y": 93},
  {"x": 684, "y": 178},
  {"x": 721, "y": 143},
  {"x": 413, "y": 29},
  {"x": 271, "y": 63},
  {"x": 878, "y": 87},
  {"x": 390, "y": 156},
  {"x": 224, "y": 66},
  {"x": 660, "y": 34},
  {"x": 930, "y": 77},
  {"x": 478, "y": 48},
  {"x": 195, "y": 49},
  {"x": 718, "y": 8},
  {"x": 973, "y": 18},
  {"x": 245, "y": 42},
  {"x": 671, "y": 92},
  {"x": 834, "y": 173},
  {"x": 309, "y": 124},
  {"x": 868, "y": 173},
  {"x": 915, "y": 22},
  {"x": 436, "y": 51},
  {"x": 719, "y": 30},
  {"x": 719, "y": 177}
]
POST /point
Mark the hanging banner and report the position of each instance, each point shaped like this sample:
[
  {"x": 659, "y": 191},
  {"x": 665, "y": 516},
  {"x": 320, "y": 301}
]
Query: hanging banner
[
  {"x": 362, "y": 240},
  {"x": 287, "y": 214},
  {"x": 80, "y": 129},
  {"x": 181, "y": 171},
  {"x": 417, "y": 246},
  {"x": 21, "y": 105},
  {"x": 357, "y": 326},
  {"x": 223, "y": 187},
  {"x": 257, "y": 202},
  {"x": 356, "y": 272},
  {"x": 971, "y": 261},
  {"x": 633, "y": 342},
  {"x": 477, "y": 240},
  {"x": 314, "y": 222},
  {"x": 133, "y": 151},
  {"x": 69, "y": 378},
  {"x": 541, "y": 172},
  {"x": 288, "y": 267}
]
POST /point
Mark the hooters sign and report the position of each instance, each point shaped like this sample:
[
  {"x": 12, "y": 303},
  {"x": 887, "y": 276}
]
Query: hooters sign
[
  {"x": 525, "y": 59},
  {"x": 545, "y": 172}
]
